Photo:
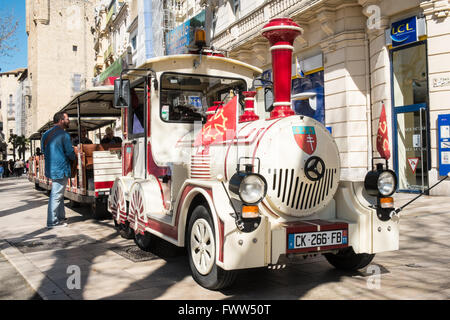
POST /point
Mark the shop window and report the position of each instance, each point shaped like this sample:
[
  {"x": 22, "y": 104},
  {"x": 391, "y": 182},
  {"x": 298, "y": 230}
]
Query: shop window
[
  {"x": 308, "y": 96},
  {"x": 76, "y": 83},
  {"x": 410, "y": 76},
  {"x": 236, "y": 7},
  {"x": 133, "y": 43}
]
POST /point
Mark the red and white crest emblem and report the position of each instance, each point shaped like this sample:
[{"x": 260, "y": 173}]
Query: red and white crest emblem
[{"x": 306, "y": 138}]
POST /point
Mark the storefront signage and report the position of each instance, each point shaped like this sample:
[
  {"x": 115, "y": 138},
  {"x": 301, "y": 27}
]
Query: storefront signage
[
  {"x": 444, "y": 143},
  {"x": 179, "y": 39},
  {"x": 404, "y": 32}
]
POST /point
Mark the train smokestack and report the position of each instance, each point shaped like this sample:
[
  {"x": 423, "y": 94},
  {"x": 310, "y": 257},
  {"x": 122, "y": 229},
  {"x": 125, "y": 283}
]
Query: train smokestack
[
  {"x": 249, "y": 111},
  {"x": 281, "y": 33}
]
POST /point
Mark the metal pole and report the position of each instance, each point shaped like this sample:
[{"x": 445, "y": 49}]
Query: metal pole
[
  {"x": 403, "y": 206},
  {"x": 421, "y": 148},
  {"x": 79, "y": 120},
  {"x": 146, "y": 99}
]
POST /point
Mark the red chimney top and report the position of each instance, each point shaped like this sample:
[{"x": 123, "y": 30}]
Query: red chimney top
[
  {"x": 281, "y": 33},
  {"x": 249, "y": 110}
]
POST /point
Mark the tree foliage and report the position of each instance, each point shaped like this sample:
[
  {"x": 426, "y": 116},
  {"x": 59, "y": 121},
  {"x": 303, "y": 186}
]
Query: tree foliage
[
  {"x": 20, "y": 143},
  {"x": 8, "y": 27}
]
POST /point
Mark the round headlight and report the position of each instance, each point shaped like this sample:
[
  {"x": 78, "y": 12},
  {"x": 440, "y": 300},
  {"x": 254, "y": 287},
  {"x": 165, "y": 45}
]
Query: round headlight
[
  {"x": 386, "y": 183},
  {"x": 252, "y": 189}
]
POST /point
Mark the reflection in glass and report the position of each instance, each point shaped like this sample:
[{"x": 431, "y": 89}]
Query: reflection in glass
[
  {"x": 412, "y": 155},
  {"x": 410, "y": 76}
]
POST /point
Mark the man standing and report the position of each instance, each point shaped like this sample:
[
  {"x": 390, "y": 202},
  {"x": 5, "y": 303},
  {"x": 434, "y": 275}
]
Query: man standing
[{"x": 58, "y": 151}]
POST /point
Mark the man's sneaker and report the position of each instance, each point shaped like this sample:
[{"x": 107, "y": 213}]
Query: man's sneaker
[{"x": 59, "y": 225}]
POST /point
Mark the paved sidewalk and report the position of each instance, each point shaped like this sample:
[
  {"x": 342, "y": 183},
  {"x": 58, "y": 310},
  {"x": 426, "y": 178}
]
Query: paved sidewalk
[
  {"x": 113, "y": 268},
  {"x": 13, "y": 285}
]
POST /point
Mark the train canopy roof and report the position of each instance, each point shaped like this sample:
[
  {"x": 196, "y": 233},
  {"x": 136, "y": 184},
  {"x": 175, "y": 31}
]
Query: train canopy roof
[
  {"x": 167, "y": 63},
  {"x": 96, "y": 111}
]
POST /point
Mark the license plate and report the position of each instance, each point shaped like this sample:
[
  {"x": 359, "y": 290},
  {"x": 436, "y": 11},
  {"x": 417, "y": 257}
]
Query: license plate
[{"x": 317, "y": 239}]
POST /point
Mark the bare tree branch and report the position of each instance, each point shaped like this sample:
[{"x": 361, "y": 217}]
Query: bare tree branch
[{"x": 8, "y": 27}]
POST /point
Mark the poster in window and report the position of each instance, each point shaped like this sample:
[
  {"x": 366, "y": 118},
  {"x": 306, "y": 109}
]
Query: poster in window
[{"x": 314, "y": 106}]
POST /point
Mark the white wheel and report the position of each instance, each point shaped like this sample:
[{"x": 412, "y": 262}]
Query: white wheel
[
  {"x": 202, "y": 246},
  {"x": 202, "y": 252}
]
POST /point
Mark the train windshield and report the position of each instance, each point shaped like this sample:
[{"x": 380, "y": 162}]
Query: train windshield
[{"x": 186, "y": 97}]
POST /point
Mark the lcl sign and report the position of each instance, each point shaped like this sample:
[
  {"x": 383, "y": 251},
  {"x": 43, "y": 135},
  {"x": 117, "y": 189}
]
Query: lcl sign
[{"x": 404, "y": 32}]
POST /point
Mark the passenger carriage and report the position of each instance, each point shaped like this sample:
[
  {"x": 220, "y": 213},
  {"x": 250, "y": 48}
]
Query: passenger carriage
[{"x": 98, "y": 164}]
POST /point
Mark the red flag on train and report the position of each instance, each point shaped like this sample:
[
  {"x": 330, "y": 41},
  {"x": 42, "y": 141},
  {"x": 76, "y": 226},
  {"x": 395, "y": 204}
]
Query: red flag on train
[
  {"x": 382, "y": 136},
  {"x": 220, "y": 127}
]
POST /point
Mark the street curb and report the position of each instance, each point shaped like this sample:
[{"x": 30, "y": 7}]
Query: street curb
[{"x": 38, "y": 281}]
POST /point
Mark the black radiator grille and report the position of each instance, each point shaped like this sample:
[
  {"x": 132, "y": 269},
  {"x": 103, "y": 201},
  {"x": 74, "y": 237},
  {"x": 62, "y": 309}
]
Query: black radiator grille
[{"x": 301, "y": 195}]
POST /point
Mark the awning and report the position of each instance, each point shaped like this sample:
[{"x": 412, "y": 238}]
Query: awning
[{"x": 113, "y": 70}]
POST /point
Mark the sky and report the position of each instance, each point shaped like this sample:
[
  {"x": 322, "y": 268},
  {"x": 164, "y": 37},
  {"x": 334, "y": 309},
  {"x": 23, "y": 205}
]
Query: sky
[{"x": 18, "y": 59}]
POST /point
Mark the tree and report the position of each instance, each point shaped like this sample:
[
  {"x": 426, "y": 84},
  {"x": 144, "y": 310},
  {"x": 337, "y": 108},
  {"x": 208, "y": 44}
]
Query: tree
[
  {"x": 20, "y": 143},
  {"x": 13, "y": 141},
  {"x": 8, "y": 27}
]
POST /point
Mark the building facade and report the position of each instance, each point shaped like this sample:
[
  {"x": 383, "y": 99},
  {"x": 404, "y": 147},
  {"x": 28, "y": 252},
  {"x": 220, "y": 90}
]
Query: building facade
[
  {"x": 354, "y": 57},
  {"x": 23, "y": 105},
  {"x": 126, "y": 34},
  {"x": 60, "y": 53},
  {"x": 10, "y": 108},
  {"x": 110, "y": 39}
]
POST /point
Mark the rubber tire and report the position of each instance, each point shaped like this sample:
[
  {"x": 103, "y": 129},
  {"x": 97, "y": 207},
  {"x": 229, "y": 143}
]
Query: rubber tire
[
  {"x": 217, "y": 278},
  {"x": 126, "y": 231},
  {"x": 348, "y": 260},
  {"x": 74, "y": 204},
  {"x": 144, "y": 241},
  {"x": 99, "y": 210}
]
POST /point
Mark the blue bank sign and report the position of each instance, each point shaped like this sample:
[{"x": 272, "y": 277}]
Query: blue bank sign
[{"x": 404, "y": 32}]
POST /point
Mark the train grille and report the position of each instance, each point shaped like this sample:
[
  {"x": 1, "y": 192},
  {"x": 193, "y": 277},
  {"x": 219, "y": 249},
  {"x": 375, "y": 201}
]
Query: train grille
[{"x": 301, "y": 193}]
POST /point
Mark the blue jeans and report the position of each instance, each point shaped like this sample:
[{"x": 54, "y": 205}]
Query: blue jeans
[{"x": 56, "y": 211}]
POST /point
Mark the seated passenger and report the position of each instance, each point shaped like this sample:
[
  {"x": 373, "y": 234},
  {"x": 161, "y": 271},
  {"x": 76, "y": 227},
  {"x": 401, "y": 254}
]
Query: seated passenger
[
  {"x": 84, "y": 138},
  {"x": 109, "y": 137}
]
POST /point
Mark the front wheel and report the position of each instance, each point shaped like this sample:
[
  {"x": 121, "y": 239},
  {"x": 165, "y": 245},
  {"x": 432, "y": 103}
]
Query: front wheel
[
  {"x": 143, "y": 241},
  {"x": 347, "y": 260},
  {"x": 201, "y": 247}
]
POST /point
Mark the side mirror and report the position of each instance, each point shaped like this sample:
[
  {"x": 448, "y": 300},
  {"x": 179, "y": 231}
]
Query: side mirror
[
  {"x": 268, "y": 99},
  {"x": 122, "y": 96}
]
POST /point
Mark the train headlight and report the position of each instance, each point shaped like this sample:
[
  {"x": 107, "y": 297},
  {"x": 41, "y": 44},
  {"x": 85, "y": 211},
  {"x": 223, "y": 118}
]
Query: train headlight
[
  {"x": 250, "y": 187},
  {"x": 380, "y": 182},
  {"x": 386, "y": 183}
]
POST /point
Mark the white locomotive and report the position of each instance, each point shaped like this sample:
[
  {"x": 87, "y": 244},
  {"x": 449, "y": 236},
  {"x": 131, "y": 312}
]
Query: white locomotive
[{"x": 239, "y": 195}]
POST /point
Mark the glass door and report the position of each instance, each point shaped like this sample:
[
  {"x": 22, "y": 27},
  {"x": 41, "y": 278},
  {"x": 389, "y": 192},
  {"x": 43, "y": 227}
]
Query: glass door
[
  {"x": 410, "y": 117},
  {"x": 412, "y": 148}
]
